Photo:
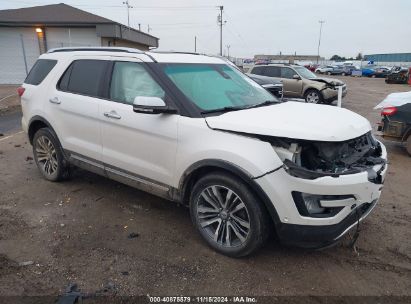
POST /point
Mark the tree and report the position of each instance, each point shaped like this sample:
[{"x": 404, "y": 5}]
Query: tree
[
  {"x": 359, "y": 56},
  {"x": 337, "y": 58}
]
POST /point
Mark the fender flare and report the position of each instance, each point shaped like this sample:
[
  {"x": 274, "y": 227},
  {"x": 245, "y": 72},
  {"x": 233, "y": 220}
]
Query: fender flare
[
  {"x": 43, "y": 120},
  {"x": 236, "y": 171}
]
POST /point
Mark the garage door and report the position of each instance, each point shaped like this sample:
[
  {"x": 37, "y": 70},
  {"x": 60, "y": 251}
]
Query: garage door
[{"x": 12, "y": 67}]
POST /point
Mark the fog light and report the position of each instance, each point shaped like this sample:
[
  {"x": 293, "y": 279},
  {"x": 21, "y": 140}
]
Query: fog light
[{"x": 310, "y": 204}]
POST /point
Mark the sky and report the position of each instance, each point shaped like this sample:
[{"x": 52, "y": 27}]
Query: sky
[{"x": 262, "y": 26}]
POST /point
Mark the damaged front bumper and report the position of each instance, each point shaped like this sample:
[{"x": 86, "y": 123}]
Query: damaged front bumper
[
  {"x": 331, "y": 94},
  {"x": 349, "y": 197}
]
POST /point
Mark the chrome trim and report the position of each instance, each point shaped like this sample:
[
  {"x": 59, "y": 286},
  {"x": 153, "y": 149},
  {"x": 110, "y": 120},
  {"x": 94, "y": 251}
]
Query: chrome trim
[
  {"x": 137, "y": 179},
  {"x": 85, "y": 160}
]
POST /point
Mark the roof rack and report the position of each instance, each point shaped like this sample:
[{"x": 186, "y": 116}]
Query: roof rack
[
  {"x": 94, "y": 49},
  {"x": 175, "y": 52}
]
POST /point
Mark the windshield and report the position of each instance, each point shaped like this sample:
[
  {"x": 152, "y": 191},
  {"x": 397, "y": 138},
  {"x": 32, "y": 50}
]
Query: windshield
[
  {"x": 305, "y": 73},
  {"x": 216, "y": 86}
]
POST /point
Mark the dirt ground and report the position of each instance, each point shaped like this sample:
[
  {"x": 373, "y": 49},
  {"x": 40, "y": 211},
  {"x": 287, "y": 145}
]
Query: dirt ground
[{"x": 78, "y": 231}]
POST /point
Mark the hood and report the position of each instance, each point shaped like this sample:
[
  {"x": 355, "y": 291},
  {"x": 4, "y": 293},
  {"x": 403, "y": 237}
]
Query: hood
[
  {"x": 395, "y": 100},
  {"x": 294, "y": 120},
  {"x": 331, "y": 81}
]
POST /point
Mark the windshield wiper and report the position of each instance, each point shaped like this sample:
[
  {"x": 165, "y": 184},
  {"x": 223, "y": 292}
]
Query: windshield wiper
[
  {"x": 265, "y": 103},
  {"x": 225, "y": 109}
]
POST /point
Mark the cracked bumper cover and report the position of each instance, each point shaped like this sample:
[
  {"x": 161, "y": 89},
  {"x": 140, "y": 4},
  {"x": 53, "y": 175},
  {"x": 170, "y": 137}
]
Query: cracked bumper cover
[{"x": 295, "y": 229}]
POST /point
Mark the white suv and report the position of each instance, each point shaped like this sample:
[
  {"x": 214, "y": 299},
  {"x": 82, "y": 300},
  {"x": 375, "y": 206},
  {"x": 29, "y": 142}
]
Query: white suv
[{"x": 195, "y": 130}]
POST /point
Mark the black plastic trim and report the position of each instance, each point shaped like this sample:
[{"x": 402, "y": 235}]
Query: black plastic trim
[
  {"x": 235, "y": 170},
  {"x": 315, "y": 237}
]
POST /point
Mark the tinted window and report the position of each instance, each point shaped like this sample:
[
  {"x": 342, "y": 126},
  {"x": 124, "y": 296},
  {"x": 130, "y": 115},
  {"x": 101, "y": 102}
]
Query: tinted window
[
  {"x": 130, "y": 80},
  {"x": 39, "y": 71},
  {"x": 83, "y": 77},
  {"x": 258, "y": 70},
  {"x": 272, "y": 71},
  {"x": 287, "y": 73}
]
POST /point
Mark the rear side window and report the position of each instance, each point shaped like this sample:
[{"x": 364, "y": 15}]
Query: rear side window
[
  {"x": 84, "y": 77},
  {"x": 272, "y": 71},
  {"x": 287, "y": 73},
  {"x": 39, "y": 71},
  {"x": 258, "y": 70}
]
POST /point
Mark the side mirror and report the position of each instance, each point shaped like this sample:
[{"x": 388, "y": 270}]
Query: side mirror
[
  {"x": 297, "y": 77},
  {"x": 151, "y": 105}
]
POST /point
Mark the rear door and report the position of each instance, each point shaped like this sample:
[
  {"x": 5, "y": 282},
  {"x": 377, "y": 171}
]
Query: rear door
[
  {"x": 139, "y": 146},
  {"x": 292, "y": 87},
  {"x": 74, "y": 106}
]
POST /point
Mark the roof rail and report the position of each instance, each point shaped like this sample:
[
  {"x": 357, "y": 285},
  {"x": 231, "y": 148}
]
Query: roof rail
[
  {"x": 94, "y": 49},
  {"x": 175, "y": 52}
]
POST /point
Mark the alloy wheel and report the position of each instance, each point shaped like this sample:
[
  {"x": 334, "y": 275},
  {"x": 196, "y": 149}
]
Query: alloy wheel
[
  {"x": 46, "y": 155},
  {"x": 312, "y": 97},
  {"x": 223, "y": 216}
]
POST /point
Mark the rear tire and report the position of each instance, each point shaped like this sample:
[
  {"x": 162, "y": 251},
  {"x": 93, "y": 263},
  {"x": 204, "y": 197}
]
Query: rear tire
[
  {"x": 313, "y": 96},
  {"x": 408, "y": 147},
  {"x": 228, "y": 215},
  {"x": 49, "y": 156},
  {"x": 343, "y": 74}
]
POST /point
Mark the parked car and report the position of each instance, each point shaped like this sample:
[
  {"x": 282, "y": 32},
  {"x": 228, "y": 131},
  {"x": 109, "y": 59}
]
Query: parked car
[
  {"x": 381, "y": 72},
  {"x": 324, "y": 69},
  {"x": 298, "y": 82},
  {"x": 337, "y": 70},
  {"x": 347, "y": 69},
  {"x": 273, "y": 86},
  {"x": 368, "y": 72},
  {"x": 311, "y": 67},
  {"x": 398, "y": 75},
  {"x": 396, "y": 118},
  {"x": 194, "y": 129}
]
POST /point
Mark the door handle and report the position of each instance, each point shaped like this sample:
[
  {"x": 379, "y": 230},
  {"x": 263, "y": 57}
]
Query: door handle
[
  {"x": 112, "y": 114},
  {"x": 55, "y": 100}
]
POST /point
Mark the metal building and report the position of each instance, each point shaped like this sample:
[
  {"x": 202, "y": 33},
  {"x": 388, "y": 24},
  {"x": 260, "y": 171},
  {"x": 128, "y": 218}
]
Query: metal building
[{"x": 393, "y": 57}]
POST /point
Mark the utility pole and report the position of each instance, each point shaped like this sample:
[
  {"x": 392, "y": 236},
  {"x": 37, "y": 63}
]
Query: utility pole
[
  {"x": 148, "y": 28},
  {"x": 128, "y": 13},
  {"x": 228, "y": 51},
  {"x": 195, "y": 44},
  {"x": 319, "y": 40},
  {"x": 139, "y": 27},
  {"x": 221, "y": 23}
]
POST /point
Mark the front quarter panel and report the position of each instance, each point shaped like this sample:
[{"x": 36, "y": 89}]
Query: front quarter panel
[{"x": 197, "y": 142}]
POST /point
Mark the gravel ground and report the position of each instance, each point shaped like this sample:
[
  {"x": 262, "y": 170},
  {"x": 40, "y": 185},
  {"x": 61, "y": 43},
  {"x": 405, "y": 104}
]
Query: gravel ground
[{"x": 78, "y": 231}]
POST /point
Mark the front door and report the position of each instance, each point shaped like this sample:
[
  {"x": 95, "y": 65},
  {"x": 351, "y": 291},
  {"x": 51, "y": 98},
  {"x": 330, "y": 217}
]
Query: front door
[
  {"x": 136, "y": 145},
  {"x": 292, "y": 87}
]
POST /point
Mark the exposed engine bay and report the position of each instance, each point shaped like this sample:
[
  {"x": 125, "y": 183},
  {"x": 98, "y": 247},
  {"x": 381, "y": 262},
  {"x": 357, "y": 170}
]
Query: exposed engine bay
[{"x": 312, "y": 159}]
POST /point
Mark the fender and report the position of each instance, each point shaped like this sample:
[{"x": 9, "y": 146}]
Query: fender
[
  {"x": 35, "y": 119},
  {"x": 210, "y": 164}
]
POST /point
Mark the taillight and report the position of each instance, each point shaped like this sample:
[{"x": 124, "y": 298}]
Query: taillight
[
  {"x": 20, "y": 91},
  {"x": 388, "y": 111}
]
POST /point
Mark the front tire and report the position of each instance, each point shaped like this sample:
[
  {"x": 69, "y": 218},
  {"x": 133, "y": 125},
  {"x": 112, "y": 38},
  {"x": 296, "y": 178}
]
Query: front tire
[
  {"x": 228, "y": 215},
  {"x": 49, "y": 156},
  {"x": 313, "y": 96}
]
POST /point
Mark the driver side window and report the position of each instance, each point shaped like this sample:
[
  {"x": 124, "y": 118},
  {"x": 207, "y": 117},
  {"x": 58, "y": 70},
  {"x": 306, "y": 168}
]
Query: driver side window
[{"x": 131, "y": 79}]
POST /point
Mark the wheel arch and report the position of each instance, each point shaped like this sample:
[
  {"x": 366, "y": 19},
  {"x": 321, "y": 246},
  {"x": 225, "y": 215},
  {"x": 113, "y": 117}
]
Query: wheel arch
[
  {"x": 36, "y": 123},
  {"x": 200, "y": 168}
]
